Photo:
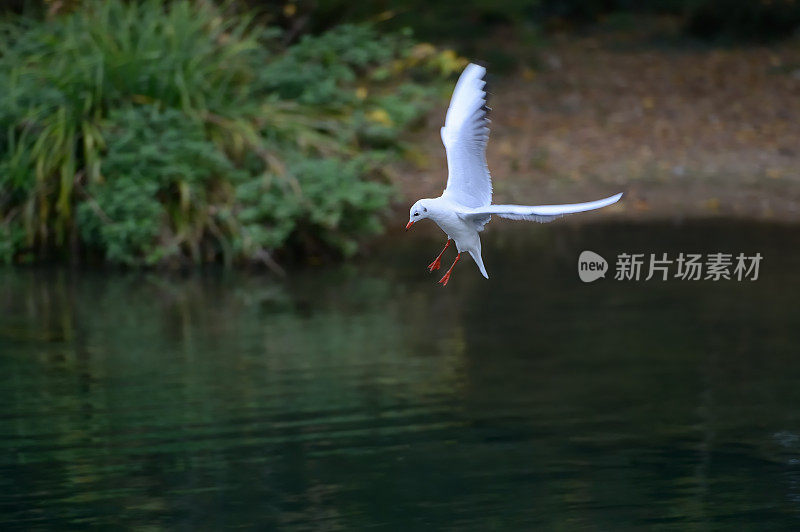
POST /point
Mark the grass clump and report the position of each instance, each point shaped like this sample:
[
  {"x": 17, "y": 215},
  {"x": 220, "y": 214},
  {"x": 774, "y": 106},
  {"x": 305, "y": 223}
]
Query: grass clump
[{"x": 150, "y": 133}]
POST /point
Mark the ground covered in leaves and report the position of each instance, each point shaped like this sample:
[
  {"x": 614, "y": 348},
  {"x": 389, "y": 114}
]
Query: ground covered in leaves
[{"x": 685, "y": 130}]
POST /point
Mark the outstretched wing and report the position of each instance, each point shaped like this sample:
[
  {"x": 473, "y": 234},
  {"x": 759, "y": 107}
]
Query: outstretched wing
[
  {"x": 538, "y": 213},
  {"x": 465, "y": 133}
]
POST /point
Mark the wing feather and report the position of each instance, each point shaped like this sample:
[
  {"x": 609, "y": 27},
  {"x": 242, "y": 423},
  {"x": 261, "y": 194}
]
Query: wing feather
[
  {"x": 464, "y": 135},
  {"x": 539, "y": 213}
]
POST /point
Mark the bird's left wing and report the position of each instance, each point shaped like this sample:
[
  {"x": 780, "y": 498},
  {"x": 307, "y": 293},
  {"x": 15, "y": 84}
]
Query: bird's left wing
[
  {"x": 538, "y": 213},
  {"x": 465, "y": 133}
]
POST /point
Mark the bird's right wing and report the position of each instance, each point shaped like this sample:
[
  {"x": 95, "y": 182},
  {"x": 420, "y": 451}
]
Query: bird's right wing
[
  {"x": 465, "y": 133},
  {"x": 538, "y": 213}
]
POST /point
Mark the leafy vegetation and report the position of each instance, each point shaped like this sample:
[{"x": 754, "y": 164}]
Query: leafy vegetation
[{"x": 149, "y": 133}]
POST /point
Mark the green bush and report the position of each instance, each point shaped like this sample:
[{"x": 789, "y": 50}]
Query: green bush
[
  {"x": 156, "y": 196},
  {"x": 151, "y": 133},
  {"x": 336, "y": 204}
]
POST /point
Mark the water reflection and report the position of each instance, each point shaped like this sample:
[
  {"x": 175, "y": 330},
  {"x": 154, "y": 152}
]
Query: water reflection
[{"x": 366, "y": 395}]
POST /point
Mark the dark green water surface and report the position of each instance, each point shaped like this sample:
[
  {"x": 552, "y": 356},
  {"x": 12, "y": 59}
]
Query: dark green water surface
[{"x": 366, "y": 396}]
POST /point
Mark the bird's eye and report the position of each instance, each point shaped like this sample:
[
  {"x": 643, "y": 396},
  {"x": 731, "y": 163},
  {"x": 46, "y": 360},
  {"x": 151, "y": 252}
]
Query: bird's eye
[{"x": 416, "y": 214}]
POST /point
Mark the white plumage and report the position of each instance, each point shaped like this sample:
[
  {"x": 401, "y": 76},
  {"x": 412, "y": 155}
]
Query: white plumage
[
  {"x": 464, "y": 207},
  {"x": 464, "y": 135}
]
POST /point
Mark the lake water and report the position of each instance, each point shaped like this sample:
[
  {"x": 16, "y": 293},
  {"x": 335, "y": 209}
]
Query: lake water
[{"x": 366, "y": 396}]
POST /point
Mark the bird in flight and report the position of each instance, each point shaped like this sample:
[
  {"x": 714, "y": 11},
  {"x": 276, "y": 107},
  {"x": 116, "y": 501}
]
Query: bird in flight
[{"x": 465, "y": 206}]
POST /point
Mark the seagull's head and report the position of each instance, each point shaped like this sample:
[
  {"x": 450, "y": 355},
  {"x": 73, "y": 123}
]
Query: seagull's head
[{"x": 419, "y": 211}]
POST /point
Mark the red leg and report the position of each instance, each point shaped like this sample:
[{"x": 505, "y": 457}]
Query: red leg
[
  {"x": 446, "y": 277},
  {"x": 438, "y": 262}
]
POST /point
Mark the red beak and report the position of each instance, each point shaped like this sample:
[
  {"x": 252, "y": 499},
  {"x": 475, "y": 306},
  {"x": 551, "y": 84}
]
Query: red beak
[{"x": 409, "y": 225}]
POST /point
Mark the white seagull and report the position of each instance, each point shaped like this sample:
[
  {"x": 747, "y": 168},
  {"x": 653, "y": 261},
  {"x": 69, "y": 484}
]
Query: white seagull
[{"x": 465, "y": 205}]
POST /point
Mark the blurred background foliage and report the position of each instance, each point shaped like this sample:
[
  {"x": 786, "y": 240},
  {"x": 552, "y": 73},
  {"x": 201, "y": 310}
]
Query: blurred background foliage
[{"x": 151, "y": 132}]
